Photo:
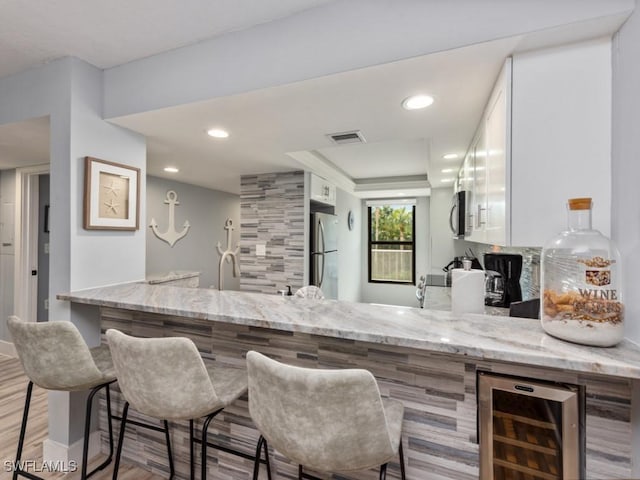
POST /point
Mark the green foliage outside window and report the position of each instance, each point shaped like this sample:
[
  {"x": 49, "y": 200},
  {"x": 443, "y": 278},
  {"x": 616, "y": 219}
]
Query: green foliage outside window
[
  {"x": 391, "y": 244},
  {"x": 392, "y": 223}
]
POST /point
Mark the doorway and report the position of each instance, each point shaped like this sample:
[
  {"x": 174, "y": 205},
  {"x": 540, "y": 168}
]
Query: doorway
[{"x": 32, "y": 243}]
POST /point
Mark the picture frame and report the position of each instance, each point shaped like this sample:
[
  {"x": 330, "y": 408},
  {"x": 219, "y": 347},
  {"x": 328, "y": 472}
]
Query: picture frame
[{"x": 111, "y": 195}]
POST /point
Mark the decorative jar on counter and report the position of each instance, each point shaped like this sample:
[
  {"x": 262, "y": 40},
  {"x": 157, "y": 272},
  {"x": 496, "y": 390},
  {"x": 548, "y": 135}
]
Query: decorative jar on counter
[{"x": 581, "y": 283}]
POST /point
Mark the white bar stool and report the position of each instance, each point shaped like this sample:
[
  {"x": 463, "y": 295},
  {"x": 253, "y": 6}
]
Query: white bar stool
[
  {"x": 55, "y": 357},
  {"x": 327, "y": 420},
  {"x": 166, "y": 378}
]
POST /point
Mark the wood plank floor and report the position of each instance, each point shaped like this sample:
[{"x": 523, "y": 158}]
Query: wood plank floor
[{"x": 13, "y": 387}]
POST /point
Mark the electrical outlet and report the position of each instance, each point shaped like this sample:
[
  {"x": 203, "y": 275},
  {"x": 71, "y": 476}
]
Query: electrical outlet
[
  {"x": 46, "y": 304},
  {"x": 261, "y": 250},
  {"x": 46, "y": 248}
]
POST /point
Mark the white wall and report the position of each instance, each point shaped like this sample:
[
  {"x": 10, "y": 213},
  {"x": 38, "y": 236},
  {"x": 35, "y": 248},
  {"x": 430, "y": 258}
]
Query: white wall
[
  {"x": 441, "y": 239},
  {"x": 561, "y": 129},
  {"x": 206, "y": 210},
  {"x": 387, "y": 293},
  {"x": 336, "y": 37},
  {"x": 350, "y": 247},
  {"x": 70, "y": 91},
  {"x": 626, "y": 172}
]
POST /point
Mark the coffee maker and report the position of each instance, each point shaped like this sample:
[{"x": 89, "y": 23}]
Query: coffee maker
[{"x": 506, "y": 267}]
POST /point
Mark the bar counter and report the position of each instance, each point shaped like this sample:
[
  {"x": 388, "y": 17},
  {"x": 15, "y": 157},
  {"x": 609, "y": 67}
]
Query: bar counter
[
  {"x": 427, "y": 359},
  {"x": 486, "y": 337}
]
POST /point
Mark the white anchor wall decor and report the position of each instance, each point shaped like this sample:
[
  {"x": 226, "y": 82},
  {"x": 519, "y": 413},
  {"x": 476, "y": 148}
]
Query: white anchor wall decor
[
  {"x": 170, "y": 236},
  {"x": 228, "y": 255}
]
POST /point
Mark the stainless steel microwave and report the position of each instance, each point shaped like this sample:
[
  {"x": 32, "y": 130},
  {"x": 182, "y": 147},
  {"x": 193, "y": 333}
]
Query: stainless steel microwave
[{"x": 458, "y": 215}]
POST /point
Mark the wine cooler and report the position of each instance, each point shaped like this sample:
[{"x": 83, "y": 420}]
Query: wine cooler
[{"x": 529, "y": 430}]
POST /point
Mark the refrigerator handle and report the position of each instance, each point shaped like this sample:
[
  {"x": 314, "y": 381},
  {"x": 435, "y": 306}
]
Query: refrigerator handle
[
  {"x": 321, "y": 270},
  {"x": 321, "y": 237}
]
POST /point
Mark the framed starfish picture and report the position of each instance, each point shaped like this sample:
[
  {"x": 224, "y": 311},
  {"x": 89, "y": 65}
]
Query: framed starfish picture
[{"x": 111, "y": 195}]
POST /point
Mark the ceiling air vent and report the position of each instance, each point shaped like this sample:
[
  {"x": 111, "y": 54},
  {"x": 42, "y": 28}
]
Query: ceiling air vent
[{"x": 343, "y": 138}]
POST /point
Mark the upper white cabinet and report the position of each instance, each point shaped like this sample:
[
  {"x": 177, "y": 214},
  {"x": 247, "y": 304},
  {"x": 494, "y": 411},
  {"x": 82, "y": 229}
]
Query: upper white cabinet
[
  {"x": 322, "y": 190},
  {"x": 545, "y": 136},
  {"x": 489, "y": 156}
]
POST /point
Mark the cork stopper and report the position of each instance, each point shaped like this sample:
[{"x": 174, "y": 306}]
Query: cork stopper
[{"x": 580, "y": 203}]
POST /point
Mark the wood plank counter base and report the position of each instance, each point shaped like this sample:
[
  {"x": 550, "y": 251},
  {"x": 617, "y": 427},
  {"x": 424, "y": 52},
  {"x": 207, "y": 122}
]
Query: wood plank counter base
[{"x": 426, "y": 359}]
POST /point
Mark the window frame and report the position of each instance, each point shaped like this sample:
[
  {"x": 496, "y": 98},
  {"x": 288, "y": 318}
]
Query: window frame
[{"x": 371, "y": 243}]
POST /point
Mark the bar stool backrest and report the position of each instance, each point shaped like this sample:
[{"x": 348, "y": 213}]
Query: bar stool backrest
[
  {"x": 54, "y": 355},
  {"x": 327, "y": 420},
  {"x": 162, "y": 377}
]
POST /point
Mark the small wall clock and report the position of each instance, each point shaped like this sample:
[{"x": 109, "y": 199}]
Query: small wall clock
[{"x": 350, "y": 220}]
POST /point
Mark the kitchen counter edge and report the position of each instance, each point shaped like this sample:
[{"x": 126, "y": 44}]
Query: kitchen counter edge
[{"x": 486, "y": 337}]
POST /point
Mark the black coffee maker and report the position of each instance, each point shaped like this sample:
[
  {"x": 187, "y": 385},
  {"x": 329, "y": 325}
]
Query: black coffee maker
[{"x": 509, "y": 268}]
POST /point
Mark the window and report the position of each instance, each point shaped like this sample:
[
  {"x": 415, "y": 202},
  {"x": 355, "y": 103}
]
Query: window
[{"x": 391, "y": 242}]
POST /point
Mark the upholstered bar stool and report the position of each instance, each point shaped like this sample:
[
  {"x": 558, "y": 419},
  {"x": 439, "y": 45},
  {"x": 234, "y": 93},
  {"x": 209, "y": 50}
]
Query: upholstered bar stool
[
  {"x": 326, "y": 420},
  {"x": 55, "y": 357},
  {"x": 166, "y": 378}
]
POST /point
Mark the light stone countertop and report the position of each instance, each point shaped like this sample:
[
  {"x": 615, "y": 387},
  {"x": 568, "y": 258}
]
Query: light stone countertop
[{"x": 487, "y": 337}]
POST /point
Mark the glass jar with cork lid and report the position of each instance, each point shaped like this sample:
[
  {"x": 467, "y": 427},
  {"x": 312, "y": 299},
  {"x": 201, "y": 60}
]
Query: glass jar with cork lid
[{"x": 581, "y": 283}]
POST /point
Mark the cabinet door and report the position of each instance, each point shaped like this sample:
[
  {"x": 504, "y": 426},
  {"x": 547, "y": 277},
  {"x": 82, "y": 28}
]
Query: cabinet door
[{"x": 496, "y": 168}]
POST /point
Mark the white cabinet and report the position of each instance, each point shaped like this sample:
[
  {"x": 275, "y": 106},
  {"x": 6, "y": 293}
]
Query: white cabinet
[
  {"x": 489, "y": 157},
  {"x": 322, "y": 190},
  {"x": 544, "y": 137}
]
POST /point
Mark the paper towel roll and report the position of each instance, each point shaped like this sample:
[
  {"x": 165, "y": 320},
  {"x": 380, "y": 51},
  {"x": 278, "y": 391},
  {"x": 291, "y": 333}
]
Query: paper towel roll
[{"x": 467, "y": 291}]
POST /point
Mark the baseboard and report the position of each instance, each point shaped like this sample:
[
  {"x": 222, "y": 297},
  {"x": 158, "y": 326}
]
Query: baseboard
[
  {"x": 7, "y": 348},
  {"x": 57, "y": 452}
]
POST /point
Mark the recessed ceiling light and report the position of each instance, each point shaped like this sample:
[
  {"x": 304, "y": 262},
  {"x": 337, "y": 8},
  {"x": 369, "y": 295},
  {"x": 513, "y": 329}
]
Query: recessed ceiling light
[
  {"x": 416, "y": 102},
  {"x": 171, "y": 169},
  {"x": 217, "y": 133},
  {"x": 447, "y": 170},
  {"x": 400, "y": 194},
  {"x": 446, "y": 180},
  {"x": 450, "y": 156}
]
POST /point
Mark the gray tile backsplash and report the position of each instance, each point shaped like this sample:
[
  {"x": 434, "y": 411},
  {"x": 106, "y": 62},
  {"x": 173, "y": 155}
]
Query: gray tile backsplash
[{"x": 272, "y": 214}]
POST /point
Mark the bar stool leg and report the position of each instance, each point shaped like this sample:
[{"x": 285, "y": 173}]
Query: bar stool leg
[
  {"x": 266, "y": 456},
  {"x": 205, "y": 427},
  {"x": 262, "y": 443},
  {"x": 383, "y": 471},
  {"x": 87, "y": 428},
  {"x": 166, "y": 434},
  {"x": 17, "y": 467},
  {"x": 123, "y": 425},
  {"x": 300, "y": 474},
  {"x": 402, "y": 474},
  {"x": 191, "y": 454}
]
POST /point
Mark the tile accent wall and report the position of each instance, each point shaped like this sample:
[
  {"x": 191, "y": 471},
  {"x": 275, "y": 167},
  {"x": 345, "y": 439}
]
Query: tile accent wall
[
  {"x": 272, "y": 213},
  {"x": 437, "y": 390}
]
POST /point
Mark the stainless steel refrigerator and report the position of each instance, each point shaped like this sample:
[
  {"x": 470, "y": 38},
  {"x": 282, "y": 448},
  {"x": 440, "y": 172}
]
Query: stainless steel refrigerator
[{"x": 324, "y": 253}]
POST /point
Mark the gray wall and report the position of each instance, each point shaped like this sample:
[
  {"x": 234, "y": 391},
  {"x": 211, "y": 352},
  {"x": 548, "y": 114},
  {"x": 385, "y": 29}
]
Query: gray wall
[
  {"x": 206, "y": 210},
  {"x": 7, "y": 256},
  {"x": 272, "y": 214},
  {"x": 349, "y": 247},
  {"x": 390, "y": 294},
  {"x": 626, "y": 172}
]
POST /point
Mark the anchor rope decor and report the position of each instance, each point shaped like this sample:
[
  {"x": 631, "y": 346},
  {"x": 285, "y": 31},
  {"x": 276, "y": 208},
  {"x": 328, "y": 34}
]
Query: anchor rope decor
[
  {"x": 171, "y": 236},
  {"x": 228, "y": 255}
]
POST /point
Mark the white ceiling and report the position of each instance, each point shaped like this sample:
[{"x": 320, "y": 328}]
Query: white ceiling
[
  {"x": 269, "y": 128},
  {"x": 265, "y": 125},
  {"x": 113, "y": 32}
]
